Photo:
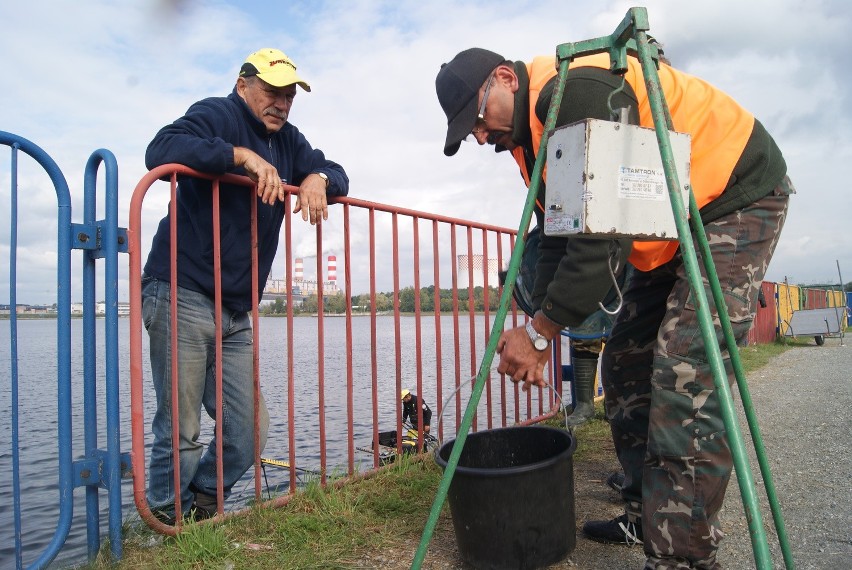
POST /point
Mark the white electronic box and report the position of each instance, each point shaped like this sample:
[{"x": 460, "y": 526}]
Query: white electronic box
[{"x": 606, "y": 179}]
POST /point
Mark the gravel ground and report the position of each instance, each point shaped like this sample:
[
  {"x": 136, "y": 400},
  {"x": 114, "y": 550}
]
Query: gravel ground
[{"x": 802, "y": 400}]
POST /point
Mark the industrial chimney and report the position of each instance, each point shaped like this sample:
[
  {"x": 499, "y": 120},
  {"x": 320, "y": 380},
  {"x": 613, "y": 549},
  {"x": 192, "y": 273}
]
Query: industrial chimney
[{"x": 332, "y": 268}]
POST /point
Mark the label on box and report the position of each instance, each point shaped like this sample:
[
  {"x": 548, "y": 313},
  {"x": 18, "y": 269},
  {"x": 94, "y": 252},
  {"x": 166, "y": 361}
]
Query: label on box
[
  {"x": 560, "y": 224},
  {"x": 639, "y": 183}
]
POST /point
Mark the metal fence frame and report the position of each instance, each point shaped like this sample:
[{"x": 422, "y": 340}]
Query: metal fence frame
[
  {"x": 476, "y": 239},
  {"x": 100, "y": 239}
]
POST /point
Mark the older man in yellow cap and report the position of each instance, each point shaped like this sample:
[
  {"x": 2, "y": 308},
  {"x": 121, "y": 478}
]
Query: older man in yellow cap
[{"x": 248, "y": 133}]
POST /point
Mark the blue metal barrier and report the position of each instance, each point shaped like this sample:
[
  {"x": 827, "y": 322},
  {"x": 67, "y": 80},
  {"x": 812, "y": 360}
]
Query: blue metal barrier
[{"x": 100, "y": 239}]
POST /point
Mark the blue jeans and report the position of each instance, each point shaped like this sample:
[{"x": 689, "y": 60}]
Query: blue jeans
[{"x": 197, "y": 387}]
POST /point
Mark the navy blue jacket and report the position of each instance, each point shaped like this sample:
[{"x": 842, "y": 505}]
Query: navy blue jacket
[{"x": 204, "y": 139}]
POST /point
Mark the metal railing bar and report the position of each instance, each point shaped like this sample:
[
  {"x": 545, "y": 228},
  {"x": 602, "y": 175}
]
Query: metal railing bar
[
  {"x": 63, "y": 346},
  {"x": 350, "y": 374}
]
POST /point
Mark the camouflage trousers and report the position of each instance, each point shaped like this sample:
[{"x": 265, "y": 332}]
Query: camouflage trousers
[{"x": 660, "y": 398}]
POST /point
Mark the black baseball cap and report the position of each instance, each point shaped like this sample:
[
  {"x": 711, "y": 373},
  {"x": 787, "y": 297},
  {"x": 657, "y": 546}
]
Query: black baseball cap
[{"x": 457, "y": 85}]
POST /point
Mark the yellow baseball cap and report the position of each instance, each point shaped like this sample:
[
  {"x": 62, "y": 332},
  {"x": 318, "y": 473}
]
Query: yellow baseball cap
[
  {"x": 403, "y": 394},
  {"x": 274, "y": 67}
]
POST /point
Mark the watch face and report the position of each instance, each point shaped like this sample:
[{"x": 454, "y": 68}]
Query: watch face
[{"x": 539, "y": 342}]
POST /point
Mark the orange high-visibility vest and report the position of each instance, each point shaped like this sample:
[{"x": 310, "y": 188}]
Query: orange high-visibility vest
[{"x": 718, "y": 125}]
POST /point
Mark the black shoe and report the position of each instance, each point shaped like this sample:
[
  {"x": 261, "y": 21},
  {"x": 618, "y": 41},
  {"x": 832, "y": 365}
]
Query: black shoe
[
  {"x": 195, "y": 513},
  {"x": 198, "y": 513},
  {"x": 618, "y": 531},
  {"x": 616, "y": 481},
  {"x": 203, "y": 507}
]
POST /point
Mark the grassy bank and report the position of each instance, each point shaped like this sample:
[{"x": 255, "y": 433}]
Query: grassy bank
[
  {"x": 371, "y": 523},
  {"x": 318, "y": 528}
]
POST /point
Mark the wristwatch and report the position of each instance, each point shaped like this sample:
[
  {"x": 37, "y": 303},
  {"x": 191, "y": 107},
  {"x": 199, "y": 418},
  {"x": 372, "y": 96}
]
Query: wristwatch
[
  {"x": 539, "y": 342},
  {"x": 324, "y": 176}
]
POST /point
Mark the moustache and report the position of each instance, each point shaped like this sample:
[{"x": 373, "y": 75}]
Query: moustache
[{"x": 275, "y": 113}]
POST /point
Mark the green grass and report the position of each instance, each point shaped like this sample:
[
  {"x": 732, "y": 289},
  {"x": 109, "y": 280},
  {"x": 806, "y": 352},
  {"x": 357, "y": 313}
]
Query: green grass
[
  {"x": 338, "y": 527},
  {"x": 199, "y": 543},
  {"x": 757, "y": 356},
  {"x": 318, "y": 528}
]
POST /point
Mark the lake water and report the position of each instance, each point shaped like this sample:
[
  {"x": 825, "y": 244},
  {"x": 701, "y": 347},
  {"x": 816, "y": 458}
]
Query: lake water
[{"x": 37, "y": 408}]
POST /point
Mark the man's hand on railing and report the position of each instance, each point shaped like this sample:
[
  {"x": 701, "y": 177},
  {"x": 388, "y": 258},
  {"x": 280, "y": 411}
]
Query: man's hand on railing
[
  {"x": 311, "y": 200},
  {"x": 269, "y": 183}
]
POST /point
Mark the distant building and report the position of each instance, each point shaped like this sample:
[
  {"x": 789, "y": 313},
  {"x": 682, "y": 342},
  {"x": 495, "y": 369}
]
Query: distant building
[
  {"x": 21, "y": 309},
  {"x": 100, "y": 309},
  {"x": 304, "y": 287}
]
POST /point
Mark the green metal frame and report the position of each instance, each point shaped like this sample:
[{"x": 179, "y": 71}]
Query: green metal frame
[{"x": 631, "y": 33}]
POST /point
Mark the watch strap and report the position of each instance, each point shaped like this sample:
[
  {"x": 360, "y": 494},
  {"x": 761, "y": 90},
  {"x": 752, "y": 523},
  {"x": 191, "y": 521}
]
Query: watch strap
[
  {"x": 538, "y": 340},
  {"x": 324, "y": 176}
]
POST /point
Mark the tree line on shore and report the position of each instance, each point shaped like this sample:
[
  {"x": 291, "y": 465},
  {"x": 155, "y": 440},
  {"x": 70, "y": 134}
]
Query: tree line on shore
[{"x": 336, "y": 304}]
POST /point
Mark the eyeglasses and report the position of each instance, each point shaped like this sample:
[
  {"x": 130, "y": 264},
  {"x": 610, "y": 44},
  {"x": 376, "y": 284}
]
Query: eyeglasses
[{"x": 479, "y": 125}]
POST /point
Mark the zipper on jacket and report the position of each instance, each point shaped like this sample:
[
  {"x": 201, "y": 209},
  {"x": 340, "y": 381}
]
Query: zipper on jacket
[{"x": 272, "y": 157}]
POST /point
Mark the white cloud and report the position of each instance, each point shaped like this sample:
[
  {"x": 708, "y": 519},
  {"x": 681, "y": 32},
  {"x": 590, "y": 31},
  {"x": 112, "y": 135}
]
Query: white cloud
[{"x": 95, "y": 74}]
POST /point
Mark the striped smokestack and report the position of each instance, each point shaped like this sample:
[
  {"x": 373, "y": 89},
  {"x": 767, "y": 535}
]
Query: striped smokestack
[
  {"x": 299, "y": 270},
  {"x": 332, "y": 268}
]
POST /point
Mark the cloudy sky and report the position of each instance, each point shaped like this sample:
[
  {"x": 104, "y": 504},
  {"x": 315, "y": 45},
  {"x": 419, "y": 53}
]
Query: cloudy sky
[{"x": 88, "y": 74}]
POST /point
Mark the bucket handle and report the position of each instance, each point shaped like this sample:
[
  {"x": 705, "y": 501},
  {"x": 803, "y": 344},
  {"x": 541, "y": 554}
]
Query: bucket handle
[{"x": 472, "y": 378}]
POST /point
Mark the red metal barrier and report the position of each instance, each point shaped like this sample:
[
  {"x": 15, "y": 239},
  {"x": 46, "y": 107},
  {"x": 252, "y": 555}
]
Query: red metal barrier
[
  {"x": 138, "y": 425},
  {"x": 450, "y": 343}
]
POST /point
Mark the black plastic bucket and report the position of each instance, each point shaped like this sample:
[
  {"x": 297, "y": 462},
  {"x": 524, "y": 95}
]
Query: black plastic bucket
[{"x": 512, "y": 497}]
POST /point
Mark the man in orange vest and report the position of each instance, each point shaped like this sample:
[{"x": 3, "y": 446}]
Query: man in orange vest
[{"x": 660, "y": 397}]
